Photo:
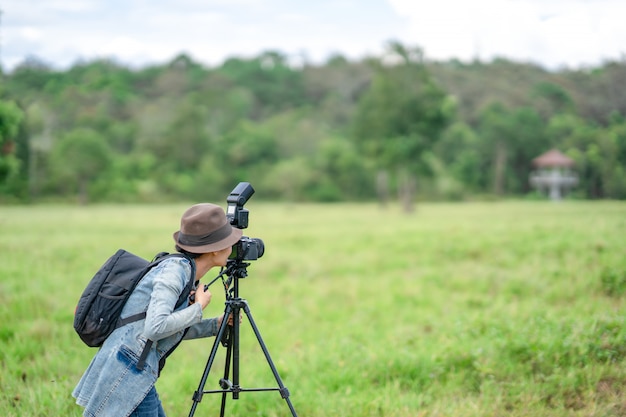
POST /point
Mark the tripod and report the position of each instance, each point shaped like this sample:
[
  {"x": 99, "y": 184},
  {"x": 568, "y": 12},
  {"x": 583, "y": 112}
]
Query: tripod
[{"x": 229, "y": 337}]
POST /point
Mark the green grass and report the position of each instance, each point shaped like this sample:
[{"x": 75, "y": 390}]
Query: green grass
[{"x": 474, "y": 309}]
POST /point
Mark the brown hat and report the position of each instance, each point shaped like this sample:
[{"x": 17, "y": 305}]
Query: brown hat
[{"x": 204, "y": 228}]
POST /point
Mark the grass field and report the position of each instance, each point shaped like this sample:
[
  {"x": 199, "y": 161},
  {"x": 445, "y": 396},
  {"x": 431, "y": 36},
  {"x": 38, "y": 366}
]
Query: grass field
[{"x": 473, "y": 309}]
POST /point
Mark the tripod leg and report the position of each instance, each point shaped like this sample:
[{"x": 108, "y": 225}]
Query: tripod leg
[
  {"x": 224, "y": 382},
  {"x": 284, "y": 392},
  {"x": 235, "y": 340},
  {"x": 232, "y": 355},
  {"x": 197, "y": 396}
]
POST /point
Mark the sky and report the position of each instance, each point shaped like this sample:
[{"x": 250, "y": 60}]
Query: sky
[{"x": 555, "y": 34}]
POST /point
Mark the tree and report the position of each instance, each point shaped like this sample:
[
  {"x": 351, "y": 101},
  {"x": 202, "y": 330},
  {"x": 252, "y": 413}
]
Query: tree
[
  {"x": 340, "y": 173},
  {"x": 401, "y": 116},
  {"x": 335, "y": 87},
  {"x": 10, "y": 119},
  {"x": 78, "y": 159},
  {"x": 247, "y": 151},
  {"x": 459, "y": 150},
  {"x": 616, "y": 183},
  {"x": 551, "y": 99},
  {"x": 599, "y": 153},
  {"x": 273, "y": 83},
  {"x": 184, "y": 142},
  {"x": 509, "y": 140}
]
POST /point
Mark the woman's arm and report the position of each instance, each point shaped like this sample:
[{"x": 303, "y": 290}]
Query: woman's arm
[
  {"x": 206, "y": 328},
  {"x": 161, "y": 320}
]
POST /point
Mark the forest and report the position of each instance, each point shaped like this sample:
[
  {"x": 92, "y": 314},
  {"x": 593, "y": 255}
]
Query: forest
[{"x": 383, "y": 127}]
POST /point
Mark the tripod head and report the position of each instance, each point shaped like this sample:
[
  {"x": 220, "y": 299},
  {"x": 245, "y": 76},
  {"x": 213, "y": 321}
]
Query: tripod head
[
  {"x": 230, "y": 274},
  {"x": 236, "y": 268}
]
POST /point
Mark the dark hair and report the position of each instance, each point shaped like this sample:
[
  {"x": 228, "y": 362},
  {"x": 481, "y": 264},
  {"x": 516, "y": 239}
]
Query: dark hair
[{"x": 187, "y": 253}]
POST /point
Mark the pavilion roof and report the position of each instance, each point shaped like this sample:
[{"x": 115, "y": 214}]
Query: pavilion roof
[{"x": 553, "y": 158}]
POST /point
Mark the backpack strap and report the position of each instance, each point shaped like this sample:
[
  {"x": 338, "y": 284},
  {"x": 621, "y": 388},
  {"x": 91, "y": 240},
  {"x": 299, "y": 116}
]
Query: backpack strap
[
  {"x": 144, "y": 354},
  {"x": 130, "y": 319},
  {"x": 182, "y": 298}
]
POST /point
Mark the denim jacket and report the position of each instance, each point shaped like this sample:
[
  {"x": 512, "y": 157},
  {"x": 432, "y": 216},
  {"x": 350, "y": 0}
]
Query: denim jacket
[{"x": 112, "y": 385}]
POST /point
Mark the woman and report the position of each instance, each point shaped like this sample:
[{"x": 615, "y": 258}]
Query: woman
[{"x": 113, "y": 385}]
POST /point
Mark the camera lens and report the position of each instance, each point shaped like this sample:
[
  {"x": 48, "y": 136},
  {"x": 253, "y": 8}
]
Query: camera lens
[{"x": 260, "y": 246}]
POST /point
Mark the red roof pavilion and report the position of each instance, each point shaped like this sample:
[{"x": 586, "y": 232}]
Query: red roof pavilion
[{"x": 553, "y": 158}]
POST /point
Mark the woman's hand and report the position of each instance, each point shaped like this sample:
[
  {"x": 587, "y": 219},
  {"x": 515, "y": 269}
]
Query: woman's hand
[
  {"x": 202, "y": 296},
  {"x": 220, "y": 319}
]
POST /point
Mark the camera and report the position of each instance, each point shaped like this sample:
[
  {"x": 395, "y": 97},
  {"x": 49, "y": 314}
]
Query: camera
[{"x": 246, "y": 248}]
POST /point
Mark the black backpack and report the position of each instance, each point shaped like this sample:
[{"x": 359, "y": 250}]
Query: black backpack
[{"x": 99, "y": 308}]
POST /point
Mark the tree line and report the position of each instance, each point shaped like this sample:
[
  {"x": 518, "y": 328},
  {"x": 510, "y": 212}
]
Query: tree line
[{"x": 395, "y": 124}]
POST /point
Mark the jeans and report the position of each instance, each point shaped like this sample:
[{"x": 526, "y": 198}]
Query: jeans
[{"x": 150, "y": 406}]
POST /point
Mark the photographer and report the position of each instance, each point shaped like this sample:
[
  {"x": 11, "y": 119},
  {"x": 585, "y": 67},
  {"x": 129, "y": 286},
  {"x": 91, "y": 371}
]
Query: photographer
[{"x": 113, "y": 384}]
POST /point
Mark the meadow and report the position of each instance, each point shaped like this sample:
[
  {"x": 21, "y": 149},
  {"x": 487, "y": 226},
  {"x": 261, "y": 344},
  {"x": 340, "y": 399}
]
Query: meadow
[{"x": 468, "y": 309}]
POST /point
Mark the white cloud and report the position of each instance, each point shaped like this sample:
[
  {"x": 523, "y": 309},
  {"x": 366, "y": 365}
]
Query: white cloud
[
  {"x": 138, "y": 32},
  {"x": 29, "y": 33},
  {"x": 552, "y": 32}
]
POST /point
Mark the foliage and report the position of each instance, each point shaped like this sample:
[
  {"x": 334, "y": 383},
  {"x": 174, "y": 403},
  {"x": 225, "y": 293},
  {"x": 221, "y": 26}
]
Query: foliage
[
  {"x": 273, "y": 83},
  {"x": 10, "y": 119},
  {"x": 401, "y": 114},
  {"x": 400, "y": 117},
  {"x": 463, "y": 129},
  {"x": 78, "y": 159},
  {"x": 510, "y": 139}
]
